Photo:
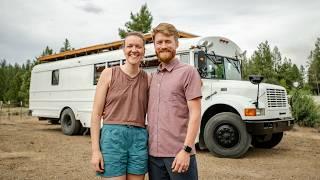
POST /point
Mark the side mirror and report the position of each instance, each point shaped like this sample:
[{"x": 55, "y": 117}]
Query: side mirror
[
  {"x": 202, "y": 59},
  {"x": 255, "y": 79},
  {"x": 202, "y": 64},
  {"x": 204, "y": 43}
]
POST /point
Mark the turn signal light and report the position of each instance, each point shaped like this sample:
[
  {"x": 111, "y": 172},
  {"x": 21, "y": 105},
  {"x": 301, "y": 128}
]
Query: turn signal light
[{"x": 250, "y": 112}]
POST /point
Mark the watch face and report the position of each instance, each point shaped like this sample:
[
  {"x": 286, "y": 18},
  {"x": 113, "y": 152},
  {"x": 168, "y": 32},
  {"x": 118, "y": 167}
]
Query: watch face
[{"x": 187, "y": 149}]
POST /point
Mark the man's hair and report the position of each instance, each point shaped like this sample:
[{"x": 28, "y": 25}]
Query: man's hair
[
  {"x": 166, "y": 29},
  {"x": 134, "y": 33}
]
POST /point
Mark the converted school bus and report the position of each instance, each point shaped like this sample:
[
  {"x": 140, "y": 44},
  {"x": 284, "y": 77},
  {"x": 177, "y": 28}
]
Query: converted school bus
[{"x": 235, "y": 113}]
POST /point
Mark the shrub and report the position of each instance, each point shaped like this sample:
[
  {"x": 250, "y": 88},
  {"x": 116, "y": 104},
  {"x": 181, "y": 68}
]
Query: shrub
[{"x": 305, "y": 111}]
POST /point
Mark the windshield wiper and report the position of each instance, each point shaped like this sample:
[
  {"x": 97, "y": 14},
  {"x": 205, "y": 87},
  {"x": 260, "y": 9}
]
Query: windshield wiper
[
  {"x": 214, "y": 61},
  {"x": 234, "y": 64}
]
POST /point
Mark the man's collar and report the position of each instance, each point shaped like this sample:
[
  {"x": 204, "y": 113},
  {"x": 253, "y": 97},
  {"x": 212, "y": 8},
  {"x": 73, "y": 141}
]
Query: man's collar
[{"x": 168, "y": 66}]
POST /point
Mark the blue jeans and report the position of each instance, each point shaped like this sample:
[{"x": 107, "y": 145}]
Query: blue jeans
[{"x": 160, "y": 169}]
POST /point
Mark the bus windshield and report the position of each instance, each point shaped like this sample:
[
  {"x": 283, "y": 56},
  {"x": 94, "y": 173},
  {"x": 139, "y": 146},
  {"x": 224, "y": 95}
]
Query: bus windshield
[{"x": 219, "y": 67}]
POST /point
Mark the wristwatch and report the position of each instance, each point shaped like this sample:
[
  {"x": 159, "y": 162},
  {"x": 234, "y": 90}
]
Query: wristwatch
[{"x": 187, "y": 148}]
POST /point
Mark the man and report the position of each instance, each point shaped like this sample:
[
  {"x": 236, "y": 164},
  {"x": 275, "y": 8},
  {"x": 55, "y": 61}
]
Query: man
[{"x": 174, "y": 111}]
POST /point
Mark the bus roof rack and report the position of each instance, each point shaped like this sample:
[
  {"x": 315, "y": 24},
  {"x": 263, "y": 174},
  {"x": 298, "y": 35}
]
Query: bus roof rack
[{"x": 99, "y": 48}]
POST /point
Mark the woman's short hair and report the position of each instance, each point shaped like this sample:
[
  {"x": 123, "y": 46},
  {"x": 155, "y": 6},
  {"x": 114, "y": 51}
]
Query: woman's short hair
[{"x": 134, "y": 33}]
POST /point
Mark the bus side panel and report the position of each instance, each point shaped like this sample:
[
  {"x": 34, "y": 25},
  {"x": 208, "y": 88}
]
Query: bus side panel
[{"x": 74, "y": 90}]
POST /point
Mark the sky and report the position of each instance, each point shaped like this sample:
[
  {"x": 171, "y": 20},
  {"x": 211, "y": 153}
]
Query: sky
[{"x": 27, "y": 27}]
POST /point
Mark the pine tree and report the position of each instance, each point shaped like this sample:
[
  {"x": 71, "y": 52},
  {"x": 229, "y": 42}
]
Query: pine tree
[
  {"x": 314, "y": 68},
  {"x": 244, "y": 66},
  {"x": 2, "y": 78},
  {"x": 302, "y": 74},
  {"x": 139, "y": 22},
  {"x": 272, "y": 67},
  {"x": 66, "y": 46},
  {"x": 262, "y": 63},
  {"x": 47, "y": 51},
  {"x": 277, "y": 58},
  {"x": 24, "y": 88}
]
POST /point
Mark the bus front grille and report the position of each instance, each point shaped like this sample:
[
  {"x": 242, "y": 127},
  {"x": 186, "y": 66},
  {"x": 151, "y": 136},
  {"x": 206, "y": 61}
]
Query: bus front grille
[{"x": 277, "y": 98}]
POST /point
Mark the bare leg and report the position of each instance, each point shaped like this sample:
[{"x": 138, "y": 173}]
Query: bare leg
[
  {"x": 135, "y": 177},
  {"x": 116, "y": 178}
]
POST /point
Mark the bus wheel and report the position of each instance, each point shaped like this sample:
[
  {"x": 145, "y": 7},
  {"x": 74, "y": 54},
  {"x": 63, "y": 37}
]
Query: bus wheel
[
  {"x": 261, "y": 142},
  {"x": 69, "y": 124},
  {"x": 225, "y": 135}
]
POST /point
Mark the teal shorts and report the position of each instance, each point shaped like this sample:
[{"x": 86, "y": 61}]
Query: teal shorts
[{"x": 124, "y": 150}]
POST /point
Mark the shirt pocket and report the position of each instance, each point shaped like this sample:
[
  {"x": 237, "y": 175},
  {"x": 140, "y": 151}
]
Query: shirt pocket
[
  {"x": 178, "y": 105},
  {"x": 176, "y": 96}
]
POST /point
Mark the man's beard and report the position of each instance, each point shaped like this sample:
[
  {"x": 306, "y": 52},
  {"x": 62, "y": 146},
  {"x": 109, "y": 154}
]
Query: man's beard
[{"x": 166, "y": 58}]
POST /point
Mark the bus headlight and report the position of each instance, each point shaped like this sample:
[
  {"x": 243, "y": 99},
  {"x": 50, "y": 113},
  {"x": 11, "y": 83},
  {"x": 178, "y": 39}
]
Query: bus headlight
[{"x": 260, "y": 112}]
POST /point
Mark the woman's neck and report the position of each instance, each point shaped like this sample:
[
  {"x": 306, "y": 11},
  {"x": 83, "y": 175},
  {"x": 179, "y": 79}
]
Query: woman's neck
[{"x": 131, "y": 70}]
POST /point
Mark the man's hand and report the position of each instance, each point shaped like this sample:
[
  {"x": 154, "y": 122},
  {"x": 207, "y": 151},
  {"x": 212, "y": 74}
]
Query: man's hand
[
  {"x": 97, "y": 161},
  {"x": 181, "y": 162}
]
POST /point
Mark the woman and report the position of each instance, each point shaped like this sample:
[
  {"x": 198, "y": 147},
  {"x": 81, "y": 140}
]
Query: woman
[{"x": 120, "y": 150}]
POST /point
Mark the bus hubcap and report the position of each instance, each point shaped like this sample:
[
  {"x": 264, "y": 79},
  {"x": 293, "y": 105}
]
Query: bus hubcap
[{"x": 226, "y": 135}]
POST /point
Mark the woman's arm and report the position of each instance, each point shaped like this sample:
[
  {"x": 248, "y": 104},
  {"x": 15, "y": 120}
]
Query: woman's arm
[{"x": 98, "y": 105}]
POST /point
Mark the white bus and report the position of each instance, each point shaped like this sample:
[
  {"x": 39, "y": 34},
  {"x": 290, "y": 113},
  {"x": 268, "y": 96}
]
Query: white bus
[{"x": 235, "y": 113}]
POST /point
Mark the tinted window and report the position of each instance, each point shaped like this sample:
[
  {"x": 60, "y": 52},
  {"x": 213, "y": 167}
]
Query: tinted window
[
  {"x": 55, "y": 77},
  {"x": 98, "y": 68}
]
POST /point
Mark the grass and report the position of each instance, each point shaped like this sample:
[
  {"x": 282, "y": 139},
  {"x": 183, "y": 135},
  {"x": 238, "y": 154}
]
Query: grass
[{"x": 13, "y": 111}]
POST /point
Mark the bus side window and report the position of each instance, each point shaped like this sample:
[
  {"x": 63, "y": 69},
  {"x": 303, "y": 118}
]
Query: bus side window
[
  {"x": 150, "y": 62},
  {"x": 185, "y": 58},
  {"x": 55, "y": 77},
  {"x": 113, "y": 63},
  {"x": 98, "y": 68}
]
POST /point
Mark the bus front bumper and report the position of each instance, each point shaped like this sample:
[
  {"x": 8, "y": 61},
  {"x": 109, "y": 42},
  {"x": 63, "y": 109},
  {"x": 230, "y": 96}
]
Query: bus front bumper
[{"x": 269, "y": 126}]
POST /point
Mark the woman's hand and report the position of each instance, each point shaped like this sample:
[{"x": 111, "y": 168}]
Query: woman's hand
[{"x": 97, "y": 161}]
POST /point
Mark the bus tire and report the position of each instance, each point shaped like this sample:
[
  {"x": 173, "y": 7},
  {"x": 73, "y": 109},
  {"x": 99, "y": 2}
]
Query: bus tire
[
  {"x": 69, "y": 124},
  {"x": 259, "y": 142},
  {"x": 225, "y": 135}
]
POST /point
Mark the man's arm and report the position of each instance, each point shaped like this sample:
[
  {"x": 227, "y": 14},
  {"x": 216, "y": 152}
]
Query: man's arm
[
  {"x": 194, "y": 121},
  {"x": 182, "y": 160}
]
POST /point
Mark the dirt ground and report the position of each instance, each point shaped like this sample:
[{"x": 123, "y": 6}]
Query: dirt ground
[{"x": 32, "y": 149}]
